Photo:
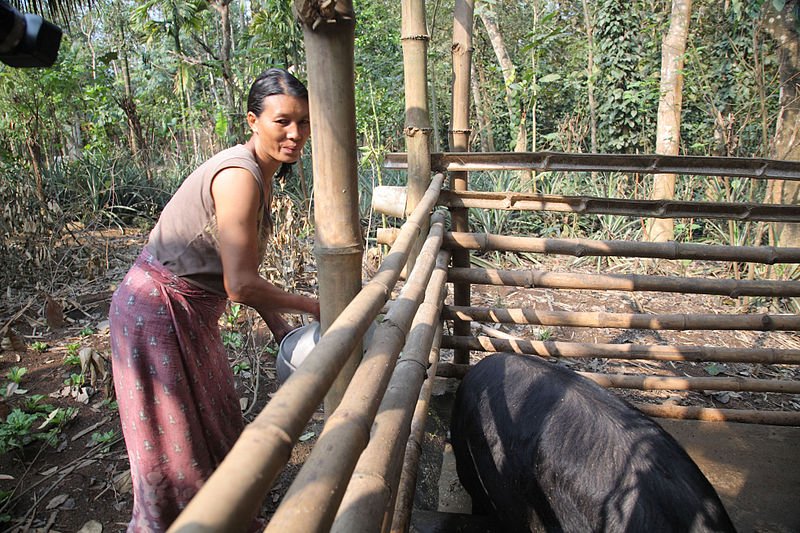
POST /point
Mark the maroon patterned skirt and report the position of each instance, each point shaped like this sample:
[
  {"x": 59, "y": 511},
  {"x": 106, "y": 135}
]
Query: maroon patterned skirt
[{"x": 179, "y": 410}]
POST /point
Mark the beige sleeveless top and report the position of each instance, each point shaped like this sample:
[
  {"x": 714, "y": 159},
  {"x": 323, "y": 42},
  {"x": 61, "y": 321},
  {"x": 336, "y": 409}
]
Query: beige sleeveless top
[{"x": 185, "y": 237}]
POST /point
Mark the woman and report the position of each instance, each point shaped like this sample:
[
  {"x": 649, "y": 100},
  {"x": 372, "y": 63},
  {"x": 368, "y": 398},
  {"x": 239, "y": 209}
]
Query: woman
[{"x": 179, "y": 410}]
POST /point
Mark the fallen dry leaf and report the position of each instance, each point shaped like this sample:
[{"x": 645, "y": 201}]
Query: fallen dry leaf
[{"x": 56, "y": 501}]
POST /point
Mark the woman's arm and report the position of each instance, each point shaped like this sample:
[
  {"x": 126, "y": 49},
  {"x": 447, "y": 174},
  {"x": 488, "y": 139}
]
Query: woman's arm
[{"x": 236, "y": 199}]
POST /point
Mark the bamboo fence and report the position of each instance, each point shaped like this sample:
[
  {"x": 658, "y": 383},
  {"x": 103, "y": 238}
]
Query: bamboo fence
[
  {"x": 626, "y": 381},
  {"x": 485, "y": 242},
  {"x": 338, "y": 245},
  {"x": 369, "y": 500},
  {"x": 743, "y": 167},
  {"x": 625, "y": 351},
  {"x": 624, "y": 282},
  {"x": 232, "y": 495},
  {"x": 589, "y": 205},
  {"x": 404, "y": 503},
  {"x": 459, "y": 141},
  {"x": 312, "y": 500},
  {"x": 584, "y": 319},
  {"x": 414, "y": 37}
]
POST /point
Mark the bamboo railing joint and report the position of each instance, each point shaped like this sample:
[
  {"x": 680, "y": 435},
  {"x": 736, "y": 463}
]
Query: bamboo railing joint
[
  {"x": 412, "y": 362},
  {"x": 419, "y": 37},
  {"x": 462, "y": 131},
  {"x": 412, "y": 131}
]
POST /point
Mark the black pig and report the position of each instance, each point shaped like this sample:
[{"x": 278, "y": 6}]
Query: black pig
[{"x": 539, "y": 446}]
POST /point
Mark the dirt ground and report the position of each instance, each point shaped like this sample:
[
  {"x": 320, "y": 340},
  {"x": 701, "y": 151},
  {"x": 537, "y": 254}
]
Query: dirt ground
[{"x": 82, "y": 481}]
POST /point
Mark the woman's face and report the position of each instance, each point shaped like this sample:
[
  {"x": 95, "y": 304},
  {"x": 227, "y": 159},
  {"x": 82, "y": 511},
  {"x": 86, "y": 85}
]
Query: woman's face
[{"x": 282, "y": 128}]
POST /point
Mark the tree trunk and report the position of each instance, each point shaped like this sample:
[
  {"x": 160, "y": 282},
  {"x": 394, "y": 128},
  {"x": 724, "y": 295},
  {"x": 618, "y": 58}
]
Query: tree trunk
[
  {"x": 223, "y": 8},
  {"x": 509, "y": 76},
  {"x": 782, "y": 26},
  {"x": 668, "y": 130},
  {"x": 588, "y": 19}
]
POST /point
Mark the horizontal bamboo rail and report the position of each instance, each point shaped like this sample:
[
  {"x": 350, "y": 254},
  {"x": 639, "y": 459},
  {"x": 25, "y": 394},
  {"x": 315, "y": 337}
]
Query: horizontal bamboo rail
[
  {"x": 737, "y": 384},
  {"x": 232, "y": 496},
  {"x": 312, "y": 500},
  {"x": 744, "y": 167},
  {"x": 401, "y": 518},
  {"x": 536, "y": 279},
  {"x": 682, "y": 322},
  {"x": 486, "y": 242},
  {"x": 746, "y": 416},
  {"x": 367, "y": 503},
  {"x": 771, "y": 356},
  {"x": 588, "y": 205},
  {"x": 626, "y": 381}
]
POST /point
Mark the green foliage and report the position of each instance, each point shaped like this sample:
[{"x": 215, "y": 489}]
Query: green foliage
[
  {"x": 86, "y": 331},
  {"x": 16, "y": 373},
  {"x": 103, "y": 439},
  {"x": 39, "y": 346}
]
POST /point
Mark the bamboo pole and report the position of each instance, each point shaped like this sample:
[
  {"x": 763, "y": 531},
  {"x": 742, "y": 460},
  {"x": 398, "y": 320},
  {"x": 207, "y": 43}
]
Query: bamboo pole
[
  {"x": 312, "y": 500},
  {"x": 623, "y": 282},
  {"x": 746, "y": 416},
  {"x": 459, "y": 141},
  {"x": 401, "y": 519},
  {"x": 587, "y": 247},
  {"x": 367, "y": 503},
  {"x": 589, "y": 205},
  {"x": 232, "y": 495},
  {"x": 414, "y": 36},
  {"x": 626, "y": 381},
  {"x": 738, "y": 384},
  {"x": 625, "y": 351},
  {"x": 682, "y": 322},
  {"x": 329, "y": 39},
  {"x": 744, "y": 167}
]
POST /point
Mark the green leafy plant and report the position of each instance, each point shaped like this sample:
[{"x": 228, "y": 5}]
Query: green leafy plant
[
  {"x": 39, "y": 346},
  {"x": 16, "y": 373},
  {"x": 16, "y": 431},
  {"x": 72, "y": 358},
  {"x": 103, "y": 439},
  {"x": 75, "y": 380},
  {"x": 232, "y": 340},
  {"x": 86, "y": 331},
  {"x": 241, "y": 366},
  {"x": 33, "y": 404}
]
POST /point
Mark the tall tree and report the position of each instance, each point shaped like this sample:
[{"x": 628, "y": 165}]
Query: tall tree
[
  {"x": 668, "y": 130},
  {"x": 783, "y": 26}
]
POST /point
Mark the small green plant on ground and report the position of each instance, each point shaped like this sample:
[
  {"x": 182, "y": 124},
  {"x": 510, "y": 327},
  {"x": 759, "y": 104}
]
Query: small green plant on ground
[
  {"x": 86, "y": 331},
  {"x": 16, "y": 373},
  {"x": 72, "y": 358},
  {"x": 75, "y": 380},
  {"x": 103, "y": 439},
  {"x": 39, "y": 346},
  {"x": 232, "y": 340},
  {"x": 18, "y": 429}
]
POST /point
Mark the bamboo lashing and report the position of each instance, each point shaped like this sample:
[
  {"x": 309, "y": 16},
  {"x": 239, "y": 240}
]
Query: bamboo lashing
[
  {"x": 313, "y": 498},
  {"x": 624, "y": 282},
  {"x": 401, "y": 519},
  {"x": 486, "y": 242},
  {"x": 232, "y": 495},
  {"x": 744, "y": 167},
  {"x": 588, "y": 205},
  {"x": 627, "y": 381},
  {"x": 681, "y": 322},
  {"x": 625, "y": 351},
  {"x": 367, "y": 503}
]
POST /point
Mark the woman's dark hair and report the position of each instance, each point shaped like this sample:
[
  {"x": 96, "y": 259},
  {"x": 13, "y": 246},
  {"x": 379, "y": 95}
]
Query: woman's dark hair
[{"x": 270, "y": 82}]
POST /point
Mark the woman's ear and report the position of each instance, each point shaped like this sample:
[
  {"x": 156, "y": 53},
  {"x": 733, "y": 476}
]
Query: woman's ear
[{"x": 251, "y": 120}]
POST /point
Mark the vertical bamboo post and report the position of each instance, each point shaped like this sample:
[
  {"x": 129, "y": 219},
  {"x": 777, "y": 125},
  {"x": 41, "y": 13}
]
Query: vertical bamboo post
[
  {"x": 329, "y": 33},
  {"x": 459, "y": 142},
  {"x": 414, "y": 35}
]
